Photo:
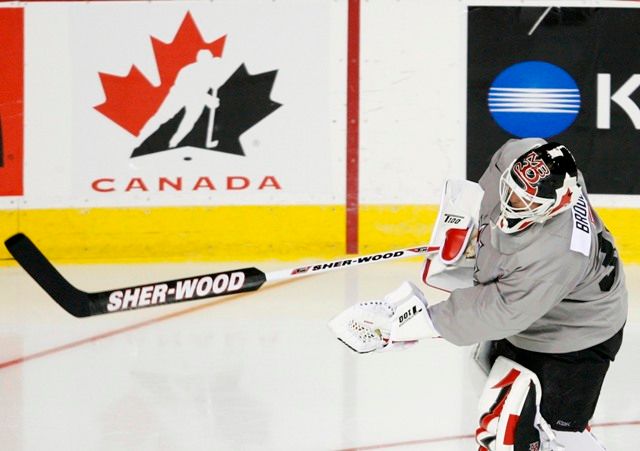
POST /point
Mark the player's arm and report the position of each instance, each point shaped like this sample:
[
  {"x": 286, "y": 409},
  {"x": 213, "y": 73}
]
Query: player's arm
[{"x": 508, "y": 305}]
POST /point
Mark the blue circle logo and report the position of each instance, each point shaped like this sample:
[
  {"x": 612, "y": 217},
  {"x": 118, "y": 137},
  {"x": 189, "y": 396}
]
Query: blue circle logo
[{"x": 534, "y": 99}]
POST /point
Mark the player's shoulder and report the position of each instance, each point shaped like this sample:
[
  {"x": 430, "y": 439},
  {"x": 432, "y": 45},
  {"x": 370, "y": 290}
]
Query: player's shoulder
[
  {"x": 551, "y": 241},
  {"x": 562, "y": 243}
]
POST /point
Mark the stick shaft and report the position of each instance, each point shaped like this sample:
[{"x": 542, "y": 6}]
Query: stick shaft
[
  {"x": 322, "y": 267},
  {"x": 80, "y": 303}
]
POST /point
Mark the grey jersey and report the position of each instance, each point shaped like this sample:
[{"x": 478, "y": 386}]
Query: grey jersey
[{"x": 554, "y": 287}]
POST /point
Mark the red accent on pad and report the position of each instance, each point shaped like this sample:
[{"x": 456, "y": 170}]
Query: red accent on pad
[
  {"x": 495, "y": 413},
  {"x": 496, "y": 410},
  {"x": 453, "y": 242},
  {"x": 508, "y": 379},
  {"x": 510, "y": 431}
]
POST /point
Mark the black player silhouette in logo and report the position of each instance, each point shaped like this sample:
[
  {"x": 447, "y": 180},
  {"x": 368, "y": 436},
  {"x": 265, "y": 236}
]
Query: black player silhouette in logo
[{"x": 195, "y": 88}]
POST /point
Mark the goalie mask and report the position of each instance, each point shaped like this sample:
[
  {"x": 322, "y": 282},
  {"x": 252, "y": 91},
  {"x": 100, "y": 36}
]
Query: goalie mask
[{"x": 536, "y": 186}]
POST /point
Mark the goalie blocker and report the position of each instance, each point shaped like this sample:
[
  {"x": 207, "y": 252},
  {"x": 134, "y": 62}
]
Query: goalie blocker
[{"x": 454, "y": 234}]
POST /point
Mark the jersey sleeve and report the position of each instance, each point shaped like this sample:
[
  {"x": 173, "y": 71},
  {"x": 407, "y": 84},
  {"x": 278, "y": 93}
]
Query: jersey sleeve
[{"x": 511, "y": 303}]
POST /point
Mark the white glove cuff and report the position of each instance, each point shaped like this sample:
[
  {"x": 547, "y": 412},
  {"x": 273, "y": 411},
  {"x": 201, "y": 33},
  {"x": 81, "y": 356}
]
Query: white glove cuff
[{"x": 411, "y": 320}]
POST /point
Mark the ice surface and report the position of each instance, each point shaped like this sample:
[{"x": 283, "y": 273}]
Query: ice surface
[{"x": 254, "y": 371}]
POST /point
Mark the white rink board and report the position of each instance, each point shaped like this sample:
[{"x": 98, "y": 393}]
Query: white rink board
[
  {"x": 413, "y": 100},
  {"x": 412, "y": 103}
]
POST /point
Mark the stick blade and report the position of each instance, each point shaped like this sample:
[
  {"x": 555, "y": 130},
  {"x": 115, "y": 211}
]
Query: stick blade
[{"x": 74, "y": 301}]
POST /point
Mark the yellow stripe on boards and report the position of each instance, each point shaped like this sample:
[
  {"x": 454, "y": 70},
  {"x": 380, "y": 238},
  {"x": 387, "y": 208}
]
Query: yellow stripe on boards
[
  {"x": 386, "y": 227},
  {"x": 622, "y": 224},
  {"x": 242, "y": 233},
  {"x": 239, "y": 233}
]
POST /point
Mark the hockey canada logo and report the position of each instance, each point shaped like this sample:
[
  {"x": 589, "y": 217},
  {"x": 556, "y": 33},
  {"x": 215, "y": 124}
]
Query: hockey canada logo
[{"x": 196, "y": 104}]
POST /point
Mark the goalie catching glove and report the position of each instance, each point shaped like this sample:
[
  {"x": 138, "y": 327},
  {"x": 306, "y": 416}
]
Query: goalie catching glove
[{"x": 395, "y": 322}]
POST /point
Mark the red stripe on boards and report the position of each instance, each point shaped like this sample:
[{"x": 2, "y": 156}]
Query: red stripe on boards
[
  {"x": 353, "y": 123},
  {"x": 11, "y": 100}
]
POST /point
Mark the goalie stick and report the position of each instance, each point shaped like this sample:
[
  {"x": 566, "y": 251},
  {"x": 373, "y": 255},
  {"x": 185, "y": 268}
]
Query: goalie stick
[{"x": 82, "y": 304}]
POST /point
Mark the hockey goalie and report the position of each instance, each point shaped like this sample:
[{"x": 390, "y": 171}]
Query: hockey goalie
[{"x": 534, "y": 279}]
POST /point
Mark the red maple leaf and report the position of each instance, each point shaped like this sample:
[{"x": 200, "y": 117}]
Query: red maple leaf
[{"x": 132, "y": 99}]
